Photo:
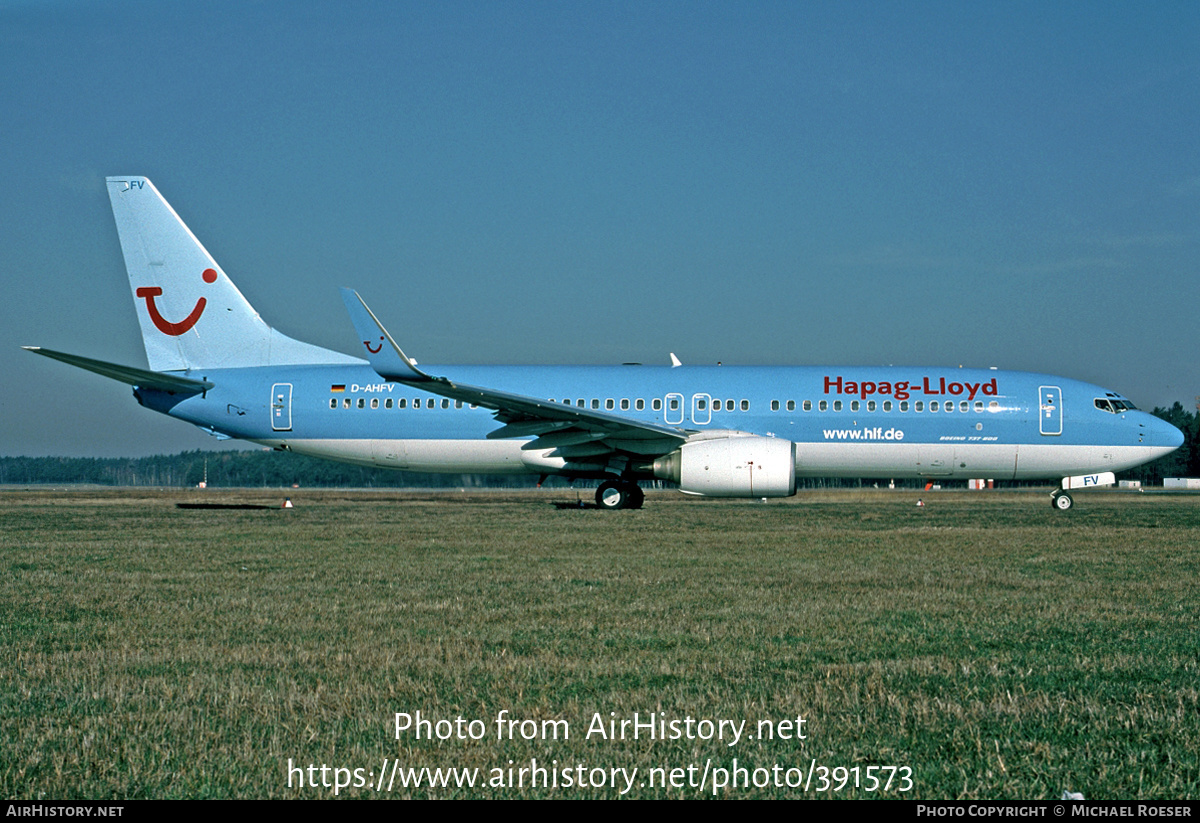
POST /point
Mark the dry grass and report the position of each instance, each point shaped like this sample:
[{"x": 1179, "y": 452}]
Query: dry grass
[{"x": 998, "y": 648}]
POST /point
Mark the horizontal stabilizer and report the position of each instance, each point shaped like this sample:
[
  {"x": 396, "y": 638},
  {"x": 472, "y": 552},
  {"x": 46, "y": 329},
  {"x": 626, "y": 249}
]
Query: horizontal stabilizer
[{"x": 128, "y": 374}]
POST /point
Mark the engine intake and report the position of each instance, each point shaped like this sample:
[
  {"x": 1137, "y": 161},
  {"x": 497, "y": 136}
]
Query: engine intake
[{"x": 732, "y": 467}]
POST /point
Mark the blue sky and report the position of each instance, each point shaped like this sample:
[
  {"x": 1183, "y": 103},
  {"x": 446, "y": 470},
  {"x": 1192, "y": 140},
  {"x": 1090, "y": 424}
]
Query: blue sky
[{"x": 987, "y": 184}]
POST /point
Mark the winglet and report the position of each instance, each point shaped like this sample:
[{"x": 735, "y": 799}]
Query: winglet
[
  {"x": 675, "y": 361},
  {"x": 386, "y": 358}
]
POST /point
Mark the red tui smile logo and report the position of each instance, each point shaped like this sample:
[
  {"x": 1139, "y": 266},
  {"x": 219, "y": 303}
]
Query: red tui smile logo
[
  {"x": 377, "y": 348},
  {"x": 166, "y": 326}
]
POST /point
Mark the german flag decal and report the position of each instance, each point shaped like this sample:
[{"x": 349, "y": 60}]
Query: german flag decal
[{"x": 338, "y": 387}]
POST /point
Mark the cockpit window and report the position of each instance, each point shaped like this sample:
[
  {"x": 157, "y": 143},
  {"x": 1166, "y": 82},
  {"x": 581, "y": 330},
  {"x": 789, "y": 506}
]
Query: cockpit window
[{"x": 1114, "y": 405}]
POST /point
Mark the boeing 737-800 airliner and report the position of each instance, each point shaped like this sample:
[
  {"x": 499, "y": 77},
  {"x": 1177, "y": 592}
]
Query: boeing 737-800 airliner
[{"x": 723, "y": 431}]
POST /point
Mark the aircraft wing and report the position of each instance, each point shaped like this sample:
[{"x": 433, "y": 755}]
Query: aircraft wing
[
  {"x": 573, "y": 433},
  {"x": 128, "y": 374}
]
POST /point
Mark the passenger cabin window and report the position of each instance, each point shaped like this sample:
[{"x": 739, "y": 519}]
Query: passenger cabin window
[
  {"x": 639, "y": 404},
  {"x": 774, "y": 405},
  {"x": 791, "y": 405},
  {"x": 728, "y": 405},
  {"x": 808, "y": 405},
  {"x": 656, "y": 404},
  {"x": 823, "y": 405},
  {"x": 674, "y": 405},
  {"x": 837, "y": 405},
  {"x": 854, "y": 405},
  {"x": 402, "y": 403},
  {"x": 745, "y": 405}
]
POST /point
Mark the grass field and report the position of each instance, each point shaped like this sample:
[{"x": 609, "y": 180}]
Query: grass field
[{"x": 994, "y": 647}]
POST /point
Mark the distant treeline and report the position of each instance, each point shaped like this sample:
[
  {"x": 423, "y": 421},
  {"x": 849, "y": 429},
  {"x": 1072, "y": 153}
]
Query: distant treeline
[
  {"x": 273, "y": 469},
  {"x": 259, "y": 467}
]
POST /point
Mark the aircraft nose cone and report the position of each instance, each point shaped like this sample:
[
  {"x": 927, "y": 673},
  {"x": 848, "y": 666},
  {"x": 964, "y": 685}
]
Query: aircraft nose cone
[
  {"x": 1161, "y": 433},
  {"x": 1175, "y": 436}
]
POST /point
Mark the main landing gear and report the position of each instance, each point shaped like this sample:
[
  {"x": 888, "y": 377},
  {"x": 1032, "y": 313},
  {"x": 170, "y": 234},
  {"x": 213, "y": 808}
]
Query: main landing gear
[
  {"x": 619, "y": 494},
  {"x": 1060, "y": 500}
]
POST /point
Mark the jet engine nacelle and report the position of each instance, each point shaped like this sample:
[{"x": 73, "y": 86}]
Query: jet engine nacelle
[{"x": 732, "y": 467}]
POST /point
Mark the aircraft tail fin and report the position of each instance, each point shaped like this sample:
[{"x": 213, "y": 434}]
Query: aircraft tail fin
[{"x": 191, "y": 314}]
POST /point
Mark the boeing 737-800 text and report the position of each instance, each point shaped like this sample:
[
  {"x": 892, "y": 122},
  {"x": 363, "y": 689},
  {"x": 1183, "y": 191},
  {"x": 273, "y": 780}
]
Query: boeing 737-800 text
[{"x": 722, "y": 431}]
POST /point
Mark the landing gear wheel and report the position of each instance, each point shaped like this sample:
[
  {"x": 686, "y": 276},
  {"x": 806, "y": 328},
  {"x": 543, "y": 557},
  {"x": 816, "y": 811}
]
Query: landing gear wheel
[
  {"x": 1061, "y": 501},
  {"x": 617, "y": 494},
  {"x": 612, "y": 495}
]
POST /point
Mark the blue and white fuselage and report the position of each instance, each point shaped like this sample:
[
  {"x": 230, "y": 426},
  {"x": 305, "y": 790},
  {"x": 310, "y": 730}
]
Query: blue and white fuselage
[
  {"x": 958, "y": 423},
  {"x": 714, "y": 430}
]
